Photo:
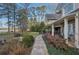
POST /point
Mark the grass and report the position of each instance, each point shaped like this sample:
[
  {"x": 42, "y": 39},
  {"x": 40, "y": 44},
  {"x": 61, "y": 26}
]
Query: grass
[
  {"x": 4, "y": 33},
  {"x": 34, "y": 34},
  {"x": 53, "y": 51}
]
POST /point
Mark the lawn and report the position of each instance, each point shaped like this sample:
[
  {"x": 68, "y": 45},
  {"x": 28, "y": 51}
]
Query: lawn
[
  {"x": 34, "y": 34},
  {"x": 4, "y": 33}
]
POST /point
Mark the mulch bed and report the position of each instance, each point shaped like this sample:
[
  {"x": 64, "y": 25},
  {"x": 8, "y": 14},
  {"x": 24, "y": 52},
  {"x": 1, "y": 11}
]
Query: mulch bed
[
  {"x": 14, "y": 47},
  {"x": 57, "y": 45}
]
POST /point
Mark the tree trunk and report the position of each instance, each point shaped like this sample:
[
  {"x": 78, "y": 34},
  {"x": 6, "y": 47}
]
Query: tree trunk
[
  {"x": 14, "y": 19},
  {"x": 8, "y": 22}
]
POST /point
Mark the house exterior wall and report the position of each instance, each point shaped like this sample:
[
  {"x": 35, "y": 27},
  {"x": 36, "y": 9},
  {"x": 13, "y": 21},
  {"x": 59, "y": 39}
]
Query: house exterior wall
[
  {"x": 71, "y": 27},
  {"x": 76, "y": 5},
  {"x": 67, "y": 8},
  {"x": 49, "y": 22}
]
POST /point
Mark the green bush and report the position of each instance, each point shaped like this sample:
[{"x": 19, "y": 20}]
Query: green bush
[
  {"x": 28, "y": 40},
  {"x": 38, "y": 27}
]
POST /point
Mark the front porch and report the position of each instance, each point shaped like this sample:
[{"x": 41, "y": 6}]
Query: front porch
[{"x": 68, "y": 28}]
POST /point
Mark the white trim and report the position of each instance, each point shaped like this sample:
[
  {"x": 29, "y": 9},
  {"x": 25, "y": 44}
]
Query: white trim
[
  {"x": 52, "y": 29},
  {"x": 77, "y": 30},
  {"x": 62, "y": 18},
  {"x": 66, "y": 28}
]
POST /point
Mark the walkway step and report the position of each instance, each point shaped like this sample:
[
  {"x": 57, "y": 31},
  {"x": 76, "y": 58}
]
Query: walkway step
[{"x": 39, "y": 47}]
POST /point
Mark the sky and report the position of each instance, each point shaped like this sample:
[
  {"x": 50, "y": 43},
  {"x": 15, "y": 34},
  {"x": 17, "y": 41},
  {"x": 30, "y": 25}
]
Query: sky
[
  {"x": 3, "y": 22},
  {"x": 50, "y": 9},
  {"x": 50, "y": 6}
]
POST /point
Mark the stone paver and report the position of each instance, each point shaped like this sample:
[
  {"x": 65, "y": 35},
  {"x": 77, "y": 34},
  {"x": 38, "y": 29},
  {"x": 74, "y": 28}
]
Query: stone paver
[{"x": 39, "y": 47}]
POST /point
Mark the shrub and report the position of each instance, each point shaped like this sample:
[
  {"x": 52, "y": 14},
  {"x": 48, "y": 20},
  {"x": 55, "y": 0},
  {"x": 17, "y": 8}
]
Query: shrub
[
  {"x": 28, "y": 40},
  {"x": 57, "y": 42},
  {"x": 57, "y": 46},
  {"x": 17, "y": 35},
  {"x": 38, "y": 27},
  {"x": 14, "y": 47}
]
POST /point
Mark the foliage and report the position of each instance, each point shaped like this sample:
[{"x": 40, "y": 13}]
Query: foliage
[
  {"x": 41, "y": 11},
  {"x": 11, "y": 11},
  {"x": 37, "y": 12},
  {"x": 34, "y": 34},
  {"x": 4, "y": 33},
  {"x": 14, "y": 47},
  {"x": 53, "y": 49},
  {"x": 22, "y": 19},
  {"x": 38, "y": 27},
  {"x": 35, "y": 28},
  {"x": 28, "y": 40},
  {"x": 31, "y": 23}
]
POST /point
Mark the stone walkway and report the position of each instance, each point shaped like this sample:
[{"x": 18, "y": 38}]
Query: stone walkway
[{"x": 39, "y": 47}]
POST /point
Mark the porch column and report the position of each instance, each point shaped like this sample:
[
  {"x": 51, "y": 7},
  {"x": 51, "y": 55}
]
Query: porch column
[
  {"x": 77, "y": 30},
  {"x": 52, "y": 29},
  {"x": 63, "y": 12},
  {"x": 61, "y": 30},
  {"x": 66, "y": 29}
]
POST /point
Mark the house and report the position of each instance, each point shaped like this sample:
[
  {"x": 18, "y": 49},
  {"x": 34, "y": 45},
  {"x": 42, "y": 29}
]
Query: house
[
  {"x": 67, "y": 25},
  {"x": 50, "y": 18}
]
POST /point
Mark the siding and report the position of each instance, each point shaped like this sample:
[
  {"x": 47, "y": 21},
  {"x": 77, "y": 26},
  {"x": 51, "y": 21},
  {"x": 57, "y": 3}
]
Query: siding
[{"x": 76, "y": 6}]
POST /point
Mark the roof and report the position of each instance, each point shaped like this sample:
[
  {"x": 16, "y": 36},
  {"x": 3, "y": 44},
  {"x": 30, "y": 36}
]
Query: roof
[
  {"x": 75, "y": 10},
  {"x": 59, "y": 6},
  {"x": 52, "y": 16},
  {"x": 73, "y": 13}
]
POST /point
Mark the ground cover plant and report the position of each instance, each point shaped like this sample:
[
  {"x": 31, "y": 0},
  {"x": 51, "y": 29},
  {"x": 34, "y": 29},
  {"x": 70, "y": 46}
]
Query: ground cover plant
[{"x": 57, "y": 46}]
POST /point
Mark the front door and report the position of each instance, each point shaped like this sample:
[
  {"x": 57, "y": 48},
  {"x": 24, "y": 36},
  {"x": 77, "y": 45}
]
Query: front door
[{"x": 57, "y": 30}]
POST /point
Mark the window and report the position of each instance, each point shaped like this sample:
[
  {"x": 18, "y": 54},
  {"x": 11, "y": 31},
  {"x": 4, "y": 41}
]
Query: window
[
  {"x": 71, "y": 29},
  {"x": 68, "y": 8}
]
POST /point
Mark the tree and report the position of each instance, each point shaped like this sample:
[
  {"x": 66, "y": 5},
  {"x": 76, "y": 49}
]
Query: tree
[
  {"x": 14, "y": 6},
  {"x": 39, "y": 27},
  {"x": 41, "y": 11},
  {"x": 33, "y": 13},
  {"x": 8, "y": 12},
  {"x": 6, "y": 6},
  {"x": 22, "y": 19},
  {"x": 13, "y": 14},
  {"x": 1, "y": 24}
]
